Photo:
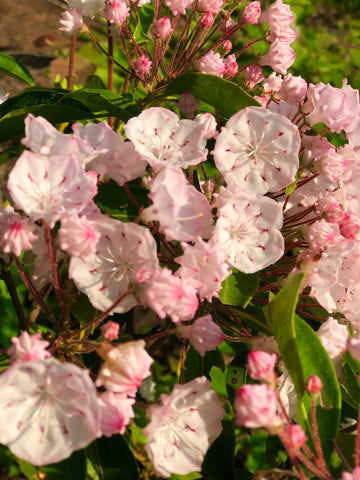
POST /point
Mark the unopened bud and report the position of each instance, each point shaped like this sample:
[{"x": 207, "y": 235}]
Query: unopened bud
[{"x": 314, "y": 385}]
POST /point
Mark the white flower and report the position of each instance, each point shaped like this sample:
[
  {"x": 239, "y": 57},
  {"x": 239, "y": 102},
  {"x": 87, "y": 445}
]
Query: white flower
[
  {"x": 47, "y": 410},
  {"x": 183, "y": 428}
]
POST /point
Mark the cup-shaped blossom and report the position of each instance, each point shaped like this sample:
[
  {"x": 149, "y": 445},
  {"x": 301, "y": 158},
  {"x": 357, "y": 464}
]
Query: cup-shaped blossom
[
  {"x": 161, "y": 138},
  {"x": 182, "y": 429},
  {"x": 278, "y": 15},
  {"x": 71, "y": 21},
  {"x": 211, "y": 63},
  {"x": 204, "y": 334},
  {"x": 258, "y": 150},
  {"x": 50, "y": 188},
  {"x": 261, "y": 366},
  {"x": 251, "y": 13},
  {"x": 256, "y": 406},
  {"x": 16, "y": 232},
  {"x": 248, "y": 229},
  {"x": 78, "y": 237},
  {"x": 28, "y": 347},
  {"x": 125, "y": 367},
  {"x": 122, "y": 250},
  {"x": 48, "y": 409}
]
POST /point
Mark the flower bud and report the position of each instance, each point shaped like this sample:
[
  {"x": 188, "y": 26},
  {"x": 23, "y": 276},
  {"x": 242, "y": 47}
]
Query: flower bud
[{"x": 313, "y": 385}]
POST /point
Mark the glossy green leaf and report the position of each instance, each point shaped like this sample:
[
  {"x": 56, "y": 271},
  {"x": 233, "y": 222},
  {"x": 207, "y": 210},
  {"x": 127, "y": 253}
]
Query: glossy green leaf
[
  {"x": 350, "y": 387},
  {"x": 146, "y": 16},
  {"x": 280, "y": 315},
  {"x": 316, "y": 361},
  {"x": 237, "y": 374},
  {"x": 239, "y": 288},
  {"x": 13, "y": 68},
  {"x": 219, "y": 459},
  {"x": 28, "y": 470},
  {"x": 110, "y": 459},
  {"x": 196, "y": 366},
  {"x": 113, "y": 200},
  {"x": 190, "y": 476},
  {"x": 257, "y": 457},
  {"x": 222, "y": 94}
]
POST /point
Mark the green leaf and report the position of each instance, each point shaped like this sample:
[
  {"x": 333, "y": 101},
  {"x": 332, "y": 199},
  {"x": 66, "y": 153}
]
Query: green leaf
[
  {"x": 316, "y": 361},
  {"x": 146, "y": 16},
  {"x": 219, "y": 459},
  {"x": 304, "y": 355},
  {"x": 28, "y": 470},
  {"x": 222, "y": 94},
  {"x": 196, "y": 366},
  {"x": 114, "y": 200},
  {"x": 189, "y": 476},
  {"x": 110, "y": 459},
  {"x": 257, "y": 457},
  {"x": 10, "y": 153},
  {"x": 13, "y": 68},
  {"x": 237, "y": 374},
  {"x": 94, "y": 81},
  {"x": 218, "y": 380},
  {"x": 73, "y": 468},
  {"x": 280, "y": 315},
  {"x": 239, "y": 288},
  {"x": 351, "y": 388}
]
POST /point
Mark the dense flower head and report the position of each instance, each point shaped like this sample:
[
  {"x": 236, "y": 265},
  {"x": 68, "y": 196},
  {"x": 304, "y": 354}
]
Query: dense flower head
[{"x": 183, "y": 427}]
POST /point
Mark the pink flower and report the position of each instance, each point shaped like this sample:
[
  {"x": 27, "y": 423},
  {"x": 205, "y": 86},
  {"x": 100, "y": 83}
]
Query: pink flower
[
  {"x": 207, "y": 20},
  {"x": 280, "y": 57},
  {"x": 210, "y": 63},
  {"x": 78, "y": 237},
  {"x": 231, "y": 66},
  {"x": 183, "y": 212},
  {"x": 207, "y": 120},
  {"x": 227, "y": 46},
  {"x": 115, "y": 412},
  {"x": 125, "y": 367},
  {"x": 212, "y": 6},
  {"x": 334, "y": 337},
  {"x": 178, "y": 6},
  {"x": 328, "y": 105},
  {"x": 355, "y": 475},
  {"x": 110, "y": 330},
  {"x": 182, "y": 429},
  {"x": 142, "y": 65},
  {"x": 261, "y": 366},
  {"x": 71, "y": 21},
  {"x": 293, "y": 89},
  {"x": 89, "y": 8},
  {"x": 295, "y": 435},
  {"x": 248, "y": 229},
  {"x": 161, "y": 138},
  {"x": 258, "y": 150},
  {"x": 255, "y": 406},
  {"x": 50, "y": 188},
  {"x": 168, "y": 295},
  {"x": 204, "y": 334},
  {"x": 162, "y": 27},
  {"x": 47, "y": 410},
  {"x": 116, "y": 12},
  {"x": 28, "y": 347},
  {"x": 188, "y": 104},
  {"x": 253, "y": 75},
  {"x": 278, "y": 15},
  {"x": 108, "y": 274},
  {"x": 313, "y": 385},
  {"x": 16, "y": 232},
  {"x": 251, "y": 13}
]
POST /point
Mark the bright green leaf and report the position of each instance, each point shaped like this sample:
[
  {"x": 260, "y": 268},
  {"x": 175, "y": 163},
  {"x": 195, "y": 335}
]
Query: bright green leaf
[
  {"x": 13, "y": 68},
  {"x": 239, "y": 288},
  {"x": 197, "y": 366},
  {"x": 28, "y": 470},
  {"x": 237, "y": 374},
  {"x": 222, "y": 94}
]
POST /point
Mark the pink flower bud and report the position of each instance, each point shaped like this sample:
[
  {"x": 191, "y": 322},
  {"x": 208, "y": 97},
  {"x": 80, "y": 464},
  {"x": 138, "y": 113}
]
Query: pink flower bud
[
  {"x": 353, "y": 345},
  {"x": 352, "y": 476},
  {"x": 251, "y": 13},
  {"x": 231, "y": 66},
  {"x": 204, "y": 334},
  {"x": 256, "y": 406},
  {"x": 188, "y": 104},
  {"x": 295, "y": 435},
  {"x": 162, "y": 27},
  {"x": 142, "y": 65},
  {"x": 261, "y": 366},
  {"x": 211, "y": 63},
  {"x": 277, "y": 16},
  {"x": 116, "y": 12},
  {"x": 207, "y": 120},
  {"x": 253, "y": 75},
  {"x": 313, "y": 385},
  {"x": 227, "y": 46},
  {"x": 110, "y": 330},
  {"x": 207, "y": 20}
]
